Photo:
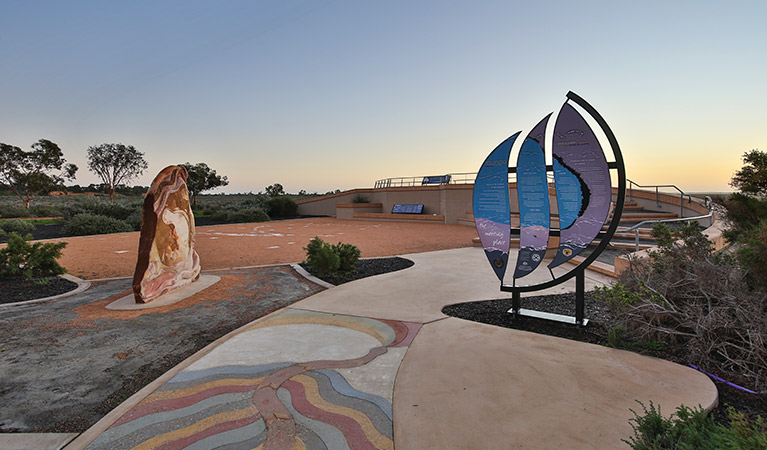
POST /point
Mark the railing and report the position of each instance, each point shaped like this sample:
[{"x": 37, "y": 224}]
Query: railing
[
  {"x": 450, "y": 178},
  {"x": 635, "y": 228},
  {"x": 453, "y": 178},
  {"x": 657, "y": 194}
]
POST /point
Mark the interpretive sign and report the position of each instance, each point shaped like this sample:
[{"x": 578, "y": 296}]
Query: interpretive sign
[
  {"x": 406, "y": 209},
  {"x": 533, "y": 196},
  {"x": 442, "y": 179},
  {"x": 582, "y": 190},
  {"x": 582, "y": 181},
  {"x": 492, "y": 212}
]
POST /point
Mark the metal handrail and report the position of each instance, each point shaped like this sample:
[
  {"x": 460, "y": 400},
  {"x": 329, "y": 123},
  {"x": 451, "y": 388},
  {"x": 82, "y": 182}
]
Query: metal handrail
[
  {"x": 710, "y": 216},
  {"x": 657, "y": 194},
  {"x": 455, "y": 178}
]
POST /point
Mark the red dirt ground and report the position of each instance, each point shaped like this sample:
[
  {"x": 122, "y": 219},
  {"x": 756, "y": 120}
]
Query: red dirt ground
[{"x": 255, "y": 244}]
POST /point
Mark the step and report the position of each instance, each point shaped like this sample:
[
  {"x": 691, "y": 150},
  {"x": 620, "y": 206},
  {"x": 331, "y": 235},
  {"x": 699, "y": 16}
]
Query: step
[
  {"x": 647, "y": 216},
  {"x": 597, "y": 266}
]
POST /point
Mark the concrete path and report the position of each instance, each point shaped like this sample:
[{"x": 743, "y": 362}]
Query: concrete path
[{"x": 375, "y": 364}]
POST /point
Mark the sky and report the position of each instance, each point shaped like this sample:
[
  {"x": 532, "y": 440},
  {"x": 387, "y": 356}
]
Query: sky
[{"x": 321, "y": 95}]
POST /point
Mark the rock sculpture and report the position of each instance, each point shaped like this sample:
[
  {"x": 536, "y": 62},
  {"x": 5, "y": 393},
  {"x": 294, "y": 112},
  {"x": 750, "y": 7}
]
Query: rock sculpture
[{"x": 166, "y": 256}]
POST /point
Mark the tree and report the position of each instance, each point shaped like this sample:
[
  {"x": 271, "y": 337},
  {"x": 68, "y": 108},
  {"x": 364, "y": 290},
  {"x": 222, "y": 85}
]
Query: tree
[
  {"x": 274, "y": 190},
  {"x": 202, "y": 178},
  {"x": 116, "y": 164},
  {"x": 752, "y": 177},
  {"x": 29, "y": 173}
]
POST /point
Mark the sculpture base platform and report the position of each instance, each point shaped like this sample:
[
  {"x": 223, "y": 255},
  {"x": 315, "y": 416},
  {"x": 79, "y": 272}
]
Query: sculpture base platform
[{"x": 128, "y": 303}]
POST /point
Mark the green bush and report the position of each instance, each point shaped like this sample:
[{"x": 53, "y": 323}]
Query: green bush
[
  {"x": 134, "y": 220},
  {"x": 348, "y": 256},
  {"x": 88, "y": 224},
  {"x": 20, "y": 258},
  {"x": 240, "y": 215},
  {"x": 359, "y": 198},
  {"x": 321, "y": 256},
  {"x": 326, "y": 259},
  {"x": 16, "y": 226},
  {"x": 117, "y": 210},
  {"x": 617, "y": 296},
  {"x": 282, "y": 206},
  {"x": 693, "y": 429},
  {"x": 45, "y": 211},
  {"x": 8, "y": 211}
]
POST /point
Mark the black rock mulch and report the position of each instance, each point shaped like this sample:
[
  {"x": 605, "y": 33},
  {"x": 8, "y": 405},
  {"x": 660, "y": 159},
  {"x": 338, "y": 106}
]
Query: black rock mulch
[
  {"x": 20, "y": 289},
  {"x": 495, "y": 312},
  {"x": 365, "y": 268}
]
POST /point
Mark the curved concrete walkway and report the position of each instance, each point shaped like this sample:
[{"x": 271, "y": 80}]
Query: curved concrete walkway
[{"x": 375, "y": 364}]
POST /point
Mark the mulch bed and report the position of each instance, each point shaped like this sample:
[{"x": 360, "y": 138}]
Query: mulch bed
[
  {"x": 20, "y": 289},
  {"x": 495, "y": 312},
  {"x": 365, "y": 268}
]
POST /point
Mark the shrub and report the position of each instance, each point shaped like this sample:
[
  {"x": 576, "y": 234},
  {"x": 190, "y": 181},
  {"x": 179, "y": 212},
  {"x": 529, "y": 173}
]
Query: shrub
[
  {"x": 134, "y": 220},
  {"x": 8, "y": 211},
  {"x": 697, "y": 303},
  {"x": 694, "y": 429},
  {"x": 20, "y": 258},
  {"x": 117, "y": 210},
  {"x": 16, "y": 226},
  {"x": 282, "y": 206},
  {"x": 359, "y": 198},
  {"x": 322, "y": 257},
  {"x": 348, "y": 256},
  {"x": 240, "y": 215},
  {"x": 87, "y": 224},
  {"x": 45, "y": 211}
]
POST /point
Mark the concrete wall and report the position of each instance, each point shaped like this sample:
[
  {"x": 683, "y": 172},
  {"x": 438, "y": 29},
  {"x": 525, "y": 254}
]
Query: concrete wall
[
  {"x": 326, "y": 204},
  {"x": 454, "y": 201}
]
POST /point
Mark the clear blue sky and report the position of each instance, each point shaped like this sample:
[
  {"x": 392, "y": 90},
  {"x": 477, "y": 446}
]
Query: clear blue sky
[{"x": 319, "y": 95}]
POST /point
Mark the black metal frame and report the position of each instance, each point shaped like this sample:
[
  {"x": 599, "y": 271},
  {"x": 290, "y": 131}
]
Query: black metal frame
[{"x": 580, "y": 271}]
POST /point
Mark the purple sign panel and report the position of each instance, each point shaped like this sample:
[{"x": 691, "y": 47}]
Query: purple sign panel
[
  {"x": 533, "y": 195},
  {"x": 582, "y": 181},
  {"x": 492, "y": 212}
]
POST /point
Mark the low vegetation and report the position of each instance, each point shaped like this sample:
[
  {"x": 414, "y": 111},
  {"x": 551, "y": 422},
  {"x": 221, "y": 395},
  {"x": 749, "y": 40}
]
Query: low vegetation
[
  {"x": 693, "y": 429},
  {"x": 329, "y": 260},
  {"x": 30, "y": 260}
]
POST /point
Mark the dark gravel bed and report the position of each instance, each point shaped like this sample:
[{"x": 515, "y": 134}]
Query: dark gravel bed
[
  {"x": 19, "y": 289},
  {"x": 495, "y": 312},
  {"x": 365, "y": 268}
]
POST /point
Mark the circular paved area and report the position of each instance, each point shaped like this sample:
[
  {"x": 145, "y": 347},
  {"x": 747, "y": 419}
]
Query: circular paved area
[{"x": 255, "y": 244}]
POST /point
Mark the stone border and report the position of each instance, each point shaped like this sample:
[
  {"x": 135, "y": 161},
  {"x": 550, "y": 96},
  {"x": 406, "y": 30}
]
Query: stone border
[
  {"x": 81, "y": 286},
  {"x": 301, "y": 271}
]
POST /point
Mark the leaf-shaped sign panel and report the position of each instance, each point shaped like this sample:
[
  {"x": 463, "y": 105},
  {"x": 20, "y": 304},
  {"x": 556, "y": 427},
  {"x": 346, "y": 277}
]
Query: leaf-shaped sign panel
[
  {"x": 582, "y": 181},
  {"x": 533, "y": 195},
  {"x": 492, "y": 212}
]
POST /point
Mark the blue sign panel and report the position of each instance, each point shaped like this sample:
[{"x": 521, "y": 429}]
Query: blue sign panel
[
  {"x": 533, "y": 195},
  {"x": 442, "y": 179},
  {"x": 406, "y": 209},
  {"x": 492, "y": 212}
]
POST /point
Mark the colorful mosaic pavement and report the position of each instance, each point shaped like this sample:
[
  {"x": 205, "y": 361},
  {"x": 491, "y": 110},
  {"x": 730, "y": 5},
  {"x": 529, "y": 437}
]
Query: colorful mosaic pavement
[{"x": 297, "y": 380}]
